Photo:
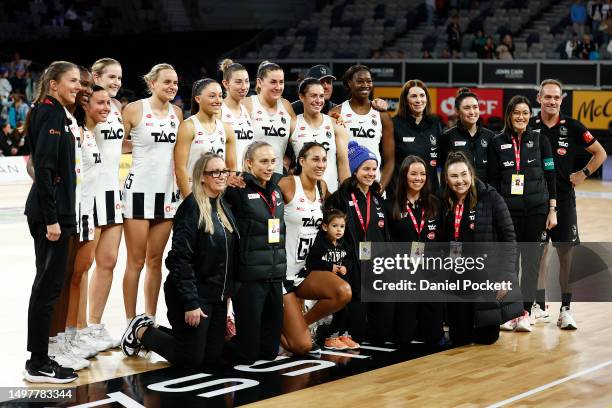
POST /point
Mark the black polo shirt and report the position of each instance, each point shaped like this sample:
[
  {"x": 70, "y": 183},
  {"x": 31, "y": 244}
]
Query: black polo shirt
[{"x": 566, "y": 138}]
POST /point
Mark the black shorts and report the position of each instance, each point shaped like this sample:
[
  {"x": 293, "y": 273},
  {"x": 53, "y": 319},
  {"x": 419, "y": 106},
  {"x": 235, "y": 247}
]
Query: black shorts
[{"x": 566, "y": 231}]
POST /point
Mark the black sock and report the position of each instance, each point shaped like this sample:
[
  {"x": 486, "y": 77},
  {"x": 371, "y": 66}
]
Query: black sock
[
  {"x": 541, "y": 298},
  {"x": 38, "y": 359},
  {"x": 527, "y": 306},
  {"x": 566, "y": 299}
]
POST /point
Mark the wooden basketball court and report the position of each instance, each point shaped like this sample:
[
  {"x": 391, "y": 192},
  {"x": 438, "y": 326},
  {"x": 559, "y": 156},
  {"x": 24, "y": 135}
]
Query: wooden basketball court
[{"x": 546, "y": 368}]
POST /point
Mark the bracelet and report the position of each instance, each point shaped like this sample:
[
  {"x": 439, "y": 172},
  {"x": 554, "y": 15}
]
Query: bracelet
[{"x": 586, "y": 172}]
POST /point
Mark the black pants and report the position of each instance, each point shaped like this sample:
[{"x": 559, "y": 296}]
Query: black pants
[
  {"x": 188, "y": 346},
  {"x": 258, "y": 308},
  {"x": 420, "y": 321},
  {"x": 51, "y": 258},
  {"x": 529, "y": 229},
  {"x": 461, "y": 326}
]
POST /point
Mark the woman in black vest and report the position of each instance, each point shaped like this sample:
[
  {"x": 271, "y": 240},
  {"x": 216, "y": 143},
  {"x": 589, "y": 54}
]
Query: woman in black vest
[
  {"x": 416, "y": 131},
  {"x": 359, "y": 198},
  {"x": 262, "y": 260},
  {"x": 416, "y": 218},
  {"x": 475, "y": 212},
  {"x": 469, "y": 136},
  {"x": 200, "y": 279},
  {"x": 521, "y": 168},
  {"x": 51, "y": 211}
]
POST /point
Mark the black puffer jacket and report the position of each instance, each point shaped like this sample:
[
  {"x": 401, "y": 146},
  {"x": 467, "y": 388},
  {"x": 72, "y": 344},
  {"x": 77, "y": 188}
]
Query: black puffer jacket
[
  {"x": 258, "y": 259},
  {"x": 537, "y": 164},
  {"x": 494, "y": 224},
  {"x": 52, "y": 196},
  {"x": 201, "y": 265},
  {"x": 458, "y": 138}
]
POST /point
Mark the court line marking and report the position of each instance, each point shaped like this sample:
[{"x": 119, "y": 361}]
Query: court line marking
[{"x": 550, "y": 385}]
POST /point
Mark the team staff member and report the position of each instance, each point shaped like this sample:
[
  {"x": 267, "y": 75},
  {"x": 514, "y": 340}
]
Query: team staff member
[
  {"x": 203, "y": 132},
  {"x": 522, "y": 169},
  {"x": 367, "y": 126},
  {"x": 149, "y": 192},
  {"x": 416, "y": 217},
  {"x": 567, "y": 136},
  {"x": 272, "y": 115},
  {"x": 475, "y": 212},
  {"x": 200, "y": 278},
  {"x": 314, "y": 126},
  {"x": 262, "y": 260},
  {"x": 360, "y": 199},
  {"x": 236, "y": 84},
  {"x": 50, "y": 211},
  {"x": 415, "y": 130},
  {"x": 469, "y": 136},
  {"x": 109, "y": 134},
  {"x": 323, "y": 74}
]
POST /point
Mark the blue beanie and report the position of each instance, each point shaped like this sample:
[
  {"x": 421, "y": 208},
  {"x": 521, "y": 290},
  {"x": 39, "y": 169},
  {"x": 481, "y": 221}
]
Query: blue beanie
[{"x": 357, "y": 154}]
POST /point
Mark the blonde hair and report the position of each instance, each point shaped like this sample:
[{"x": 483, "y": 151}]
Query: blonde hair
[
  {"x": 100, "y": 65},
  {"x": 228, "y": 67},
  {"x": 202, "y": 199},
  {"x": 153, "y": 74},
  {"x": 250, "y": 154}
]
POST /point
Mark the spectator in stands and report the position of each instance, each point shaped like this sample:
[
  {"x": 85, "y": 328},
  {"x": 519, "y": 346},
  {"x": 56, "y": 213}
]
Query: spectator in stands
[
  {"x": 509, "y": 43},
  {"x": 595, "y": 11},
  {"x": 571, "y": 47},
  {"x": 587, "y": 49},
  {"x": 18, "y": 110},
  {"x": 19, "y": 82},
  {"x": 19, "y": 140},
  {"x": 606, "y": 26},
  {"x": 430, "y": 7},
  {"x": 502, "y": 52},
  {"x": 453, "y": 32},
  {"x": 578, "y": 14},
  {"x": 5, "y": 86},
  {"x": 427, "y": 55},
  {"x": 18, "y": 64},
  {"x": 488, "y": 51},
  {"x": 479, "y": 43},
  {"x": 6, "y": 143}
]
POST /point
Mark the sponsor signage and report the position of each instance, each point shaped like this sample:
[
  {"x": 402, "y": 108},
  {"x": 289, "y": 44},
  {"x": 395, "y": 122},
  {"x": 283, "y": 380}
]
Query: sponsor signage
[
  {"x": 490, "y": 102},
  {"x": 13, "y": 170},
  {"x": 593, "y": 108},
  {"x": 505, "y": 73}
]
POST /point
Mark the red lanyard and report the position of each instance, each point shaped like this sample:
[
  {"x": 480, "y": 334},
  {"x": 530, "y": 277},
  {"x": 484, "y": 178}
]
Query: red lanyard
[
  {"x": 272, "y": 207},
  {"x": 414, "y": 222},
  {"x": 367, "y": 223},
  {"x": 458, "y": 216},
  {"x": 517, "y": 154}
]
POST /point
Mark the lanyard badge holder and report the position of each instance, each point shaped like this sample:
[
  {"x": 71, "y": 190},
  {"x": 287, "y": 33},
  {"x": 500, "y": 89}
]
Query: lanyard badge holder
[
  {"x": 417, "y": 249},
  {"x": 365, "y": 247},
  {"x": 273, "y": 223},
  {"x": 518, "y": 180},
  {"x": 455, "y": 246}
]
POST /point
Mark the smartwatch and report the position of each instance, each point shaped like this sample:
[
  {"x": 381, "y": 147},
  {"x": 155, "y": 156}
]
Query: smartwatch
[{"x": 586, "y": 172}]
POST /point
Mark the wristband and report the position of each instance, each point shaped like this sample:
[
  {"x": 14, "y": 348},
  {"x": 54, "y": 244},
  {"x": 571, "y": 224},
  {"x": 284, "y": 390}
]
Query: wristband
[{"x": 586, "y": 172}]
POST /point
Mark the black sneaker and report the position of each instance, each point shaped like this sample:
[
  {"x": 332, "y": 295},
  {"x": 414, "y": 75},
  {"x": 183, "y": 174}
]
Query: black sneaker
[
  {"x": 50, "y": 372},
  {"x": 130, "y": 345}
]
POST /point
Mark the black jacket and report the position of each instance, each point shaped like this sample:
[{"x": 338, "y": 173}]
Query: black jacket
[
  {"x": 258, "y": 259},
  {"x": 419, "y": 140},
  {"x": 52, "y": 196},
  {"x": 323, "y": 255},
  {"x": 537, "y": 165},
  {"x": 458, "y": 138},
  {"x": 200, "y": 264},
  {"x": 494, "y": 224}
]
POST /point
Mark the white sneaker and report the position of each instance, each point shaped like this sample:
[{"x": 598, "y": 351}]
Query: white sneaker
[
  {"x": 566, "y": 321},
  {"x": 53, "y": 347},
  {"x": 79, "y": 347},
  {"x": 100, "y": 332},
  {"x": 522, "y": 323},
  {"x": 78, "y": 363},
  {"x": 510, "y": 325},
  {"x": 87, "y": 335},
  {"x": 538, "y": 315}
]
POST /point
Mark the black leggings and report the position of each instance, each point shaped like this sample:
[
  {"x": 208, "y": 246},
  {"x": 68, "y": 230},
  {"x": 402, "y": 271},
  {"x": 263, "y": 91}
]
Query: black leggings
[
  {"x": 529, "y": 229},
  {"x": 188, "y": 346},
  {"x": 461, "y": 326}
]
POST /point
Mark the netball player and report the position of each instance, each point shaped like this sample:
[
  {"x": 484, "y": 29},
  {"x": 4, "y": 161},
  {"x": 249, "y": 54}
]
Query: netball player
[
  {"x": 50, "y": 211},
  {"x": 203, "y": 132},
  {"x": 313, "y": 126},
  {"x": 303, "y": 194},
  {"x": 469, "y": 136},
  {"x": 109, "y": 136},
  {"x": 272, "y": 115},
  {"x": 567, "y": 137},
  {"x": 367, "y": 126},
  {"x": 148, "y": 192},
  {"x": 236, "y": 84}
]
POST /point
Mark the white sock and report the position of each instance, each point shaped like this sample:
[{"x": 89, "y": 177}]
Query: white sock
[
  {"x": 128, "y": 320},
  {"x": 70, "y": 333}
]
